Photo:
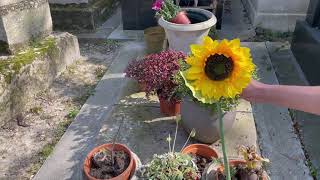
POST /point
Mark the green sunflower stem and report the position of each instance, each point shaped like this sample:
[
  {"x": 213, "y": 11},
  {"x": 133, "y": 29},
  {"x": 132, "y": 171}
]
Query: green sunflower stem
[{"x": 225, "y": 158}]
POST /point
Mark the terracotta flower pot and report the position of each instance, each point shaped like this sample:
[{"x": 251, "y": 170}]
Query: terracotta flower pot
[
  {"x": 200, "y": 149},
  {"x": 181, "y": 18},
  {"x": 169, "y": 108},
  {"x": 142, "y": 86},
  {"x": 118, "y": 147}
]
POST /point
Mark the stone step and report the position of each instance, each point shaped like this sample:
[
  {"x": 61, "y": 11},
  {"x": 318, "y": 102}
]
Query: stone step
[{"x": 81, "y": 15}]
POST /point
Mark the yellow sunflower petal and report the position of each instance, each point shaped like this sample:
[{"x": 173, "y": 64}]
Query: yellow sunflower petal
[
  {"x": 193, "y": 61},
  {"x": 197, "y": 50},
  {"x": 234, "y": 43}
]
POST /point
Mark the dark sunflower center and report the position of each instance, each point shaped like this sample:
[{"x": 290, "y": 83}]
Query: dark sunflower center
[{"x": 218, "y": 67}]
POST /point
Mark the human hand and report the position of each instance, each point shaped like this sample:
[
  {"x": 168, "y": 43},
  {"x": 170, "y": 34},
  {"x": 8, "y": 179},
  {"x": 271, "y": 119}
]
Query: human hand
[{"x": 254, "y": 91}]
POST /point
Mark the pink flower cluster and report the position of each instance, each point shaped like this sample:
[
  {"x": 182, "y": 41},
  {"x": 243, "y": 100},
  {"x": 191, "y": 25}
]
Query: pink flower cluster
[
  {"x": 157, "y": 72},
  {"x": 157, "y": 5}
]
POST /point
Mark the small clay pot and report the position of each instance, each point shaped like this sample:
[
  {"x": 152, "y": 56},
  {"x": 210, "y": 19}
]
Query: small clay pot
[
  {"x": 169, "y": 108},
  {"x": 201, "y": 150},
  {"x": 118, "y": 147},
  {"x": 181, "y": 18}
]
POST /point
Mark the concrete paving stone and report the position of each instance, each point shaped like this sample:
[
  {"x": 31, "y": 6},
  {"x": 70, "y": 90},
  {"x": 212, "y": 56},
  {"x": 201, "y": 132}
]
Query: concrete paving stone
[
  {"x": 289, "y": 72},
  {"x": 67, "y": 159},
  {"x": 120, "y": 34}
]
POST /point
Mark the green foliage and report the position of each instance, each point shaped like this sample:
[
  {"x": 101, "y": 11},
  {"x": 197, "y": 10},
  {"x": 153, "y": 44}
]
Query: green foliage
[
  {"x": 111, "y": 42},
  {"x": 313, "y": 170},
  {"x": 12, "y": 66},
  {"x": 170, "y": 166},
  {"x": 169, "y": 10},
  {"x": 36, "y": 110},
  {"x": 73, "y": 113},
  {"x": 263, "y": 34},
  {"x": 46, "y": 150},
  {"x": 99, "y": 72}
]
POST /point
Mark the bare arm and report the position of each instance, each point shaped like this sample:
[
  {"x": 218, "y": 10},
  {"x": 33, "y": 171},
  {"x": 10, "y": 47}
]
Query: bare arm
[{"x": 304, "y": 98}]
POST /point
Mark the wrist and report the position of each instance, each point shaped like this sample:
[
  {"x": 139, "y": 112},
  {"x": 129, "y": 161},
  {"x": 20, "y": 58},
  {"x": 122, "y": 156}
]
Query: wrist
[{"x": 262, "y": 91}]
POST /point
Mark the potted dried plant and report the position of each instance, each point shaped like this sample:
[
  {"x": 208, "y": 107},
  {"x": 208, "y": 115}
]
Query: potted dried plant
[
  {"x": 250, "y": 167},
  {"x": 183, "y": 26},
  {"x": 156, "y": 72},
  {"x": 110, "y": 161},
  {"x": 179, "y": 165}
]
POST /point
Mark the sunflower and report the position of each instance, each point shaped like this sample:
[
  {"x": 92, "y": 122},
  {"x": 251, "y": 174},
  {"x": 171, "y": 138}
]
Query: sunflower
[{"x": 218, "y": 69}]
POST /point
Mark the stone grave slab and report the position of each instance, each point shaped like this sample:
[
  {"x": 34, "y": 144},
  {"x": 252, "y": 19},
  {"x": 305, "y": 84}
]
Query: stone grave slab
[
  {"x": 145, "y": 129},
  {"x": 22, "y": 21}
]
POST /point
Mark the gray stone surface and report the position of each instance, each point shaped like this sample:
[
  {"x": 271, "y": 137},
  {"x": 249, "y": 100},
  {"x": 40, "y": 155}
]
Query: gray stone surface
[
  {"x": 306, "y": 46},
  {"x": 82, "y": 17},
  {"x": 277, "y": 139},
  {"x": 279, "y": 15},
  {"x": 68, "y": 1},
  {"x": 23, "y": 22},
  {"x": 36, "y": 77},
  {"x": 120, "y": 34},
  {"x": 137, "y": 14},
  {"x": 236, "y": 23},
  {"x": 67, "y": 158},
  {"x": 289, "y": 73},
  {"x": 7, "y": 2},
  {"x": 104, "y": 30}
]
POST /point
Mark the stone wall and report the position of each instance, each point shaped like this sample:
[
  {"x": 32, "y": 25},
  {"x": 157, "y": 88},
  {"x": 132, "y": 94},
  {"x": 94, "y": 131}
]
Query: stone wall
[
  {"x": 23, "y": 78},
  {"x": 24, "y": 20},
  {"x": 278, "y": 15}
]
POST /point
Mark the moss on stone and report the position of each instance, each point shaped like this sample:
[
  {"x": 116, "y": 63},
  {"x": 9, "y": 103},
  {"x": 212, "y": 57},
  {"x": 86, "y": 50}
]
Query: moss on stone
[{"x": 12, "y": 66}]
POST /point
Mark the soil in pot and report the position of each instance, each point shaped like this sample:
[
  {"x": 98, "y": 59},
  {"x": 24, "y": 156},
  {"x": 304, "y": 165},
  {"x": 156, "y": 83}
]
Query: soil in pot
[
  {"x": 104, "y": 167},
  {"x": 201, "y": 162},
  {"x": 196, "y": 17}
]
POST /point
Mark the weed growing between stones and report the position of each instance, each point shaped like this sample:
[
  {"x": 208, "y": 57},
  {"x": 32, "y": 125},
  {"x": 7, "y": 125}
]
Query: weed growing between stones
[{"x": 269, "y": 35}]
